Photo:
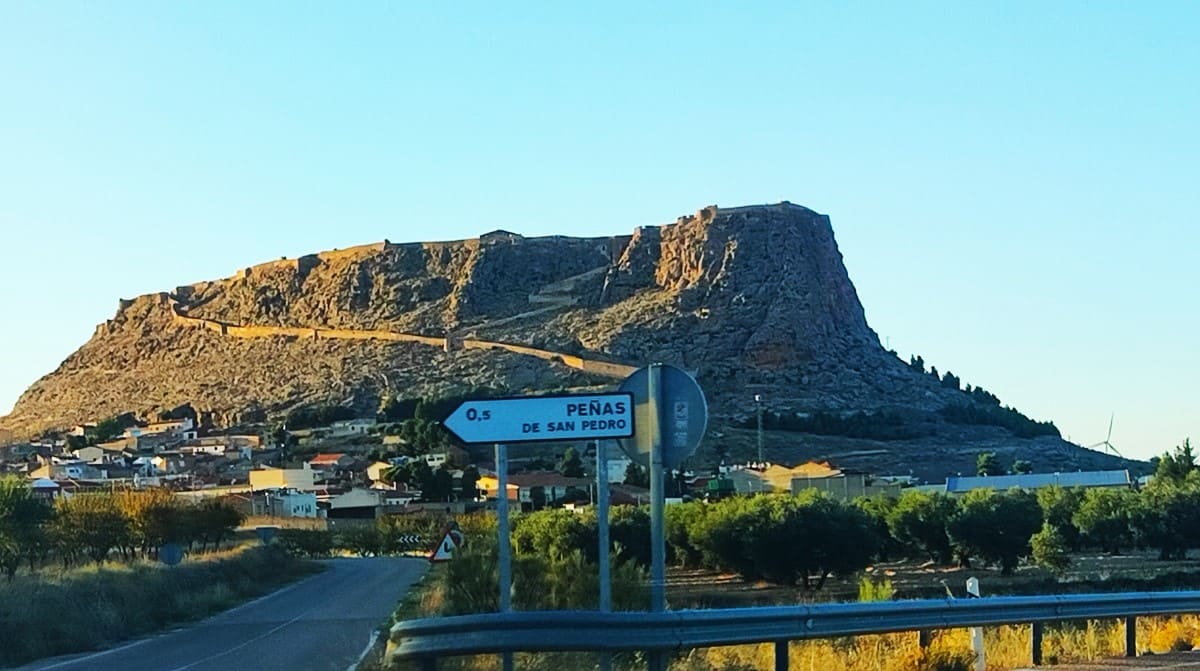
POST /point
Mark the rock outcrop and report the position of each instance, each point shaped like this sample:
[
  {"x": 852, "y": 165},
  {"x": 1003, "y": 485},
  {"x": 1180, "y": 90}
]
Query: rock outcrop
[{"x": 754, "y": 300}]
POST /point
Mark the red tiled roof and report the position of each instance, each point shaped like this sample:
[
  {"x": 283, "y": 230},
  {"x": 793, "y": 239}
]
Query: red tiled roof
[{"x": 326, "y": 458}]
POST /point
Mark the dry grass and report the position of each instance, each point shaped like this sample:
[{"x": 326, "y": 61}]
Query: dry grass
[{"x": 97, "y": 605}]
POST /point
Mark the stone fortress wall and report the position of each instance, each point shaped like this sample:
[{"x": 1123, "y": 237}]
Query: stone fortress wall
[
  {"x": 601, "y": 368},
  {"x": 613, "y": 248}
]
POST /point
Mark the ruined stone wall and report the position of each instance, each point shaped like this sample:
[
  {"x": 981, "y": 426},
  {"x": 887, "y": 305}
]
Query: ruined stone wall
[{"x": 601, "y": 368}]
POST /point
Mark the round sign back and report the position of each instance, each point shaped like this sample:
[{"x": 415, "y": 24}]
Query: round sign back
[
  {"x": 170, "y": 554},
  {"x": 682, "y": 415}
]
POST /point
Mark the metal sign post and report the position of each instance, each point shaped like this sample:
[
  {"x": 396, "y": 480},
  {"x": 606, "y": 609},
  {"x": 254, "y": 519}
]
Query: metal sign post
[
  {"x": 658, "y": 551},
  {"x": 602, "y": 534},
  {"x": 672, "y": 416},
  {"x": 503, "y": 547},
  {"x": 658, "y": 594}
]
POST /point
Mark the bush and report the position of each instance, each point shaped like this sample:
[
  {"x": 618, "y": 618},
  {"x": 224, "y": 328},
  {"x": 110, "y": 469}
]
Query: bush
[
  {"x": 824, "y": 537},
  {"x": 869, "y": 590},
  {"x": 313, "y": 543},
  {"x": 93, "y": 607}
]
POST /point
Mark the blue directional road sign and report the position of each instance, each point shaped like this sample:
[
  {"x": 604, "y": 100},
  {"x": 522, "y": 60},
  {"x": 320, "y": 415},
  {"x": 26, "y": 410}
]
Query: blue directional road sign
[{"x": 533, "y": 419}]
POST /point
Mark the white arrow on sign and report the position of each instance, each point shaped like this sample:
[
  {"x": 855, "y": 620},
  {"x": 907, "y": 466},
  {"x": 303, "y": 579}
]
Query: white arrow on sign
[{"x": 534, "y": 419}]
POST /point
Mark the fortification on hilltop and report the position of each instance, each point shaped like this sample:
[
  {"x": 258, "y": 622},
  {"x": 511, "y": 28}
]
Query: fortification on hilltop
[{"x": 753, "y": 300}]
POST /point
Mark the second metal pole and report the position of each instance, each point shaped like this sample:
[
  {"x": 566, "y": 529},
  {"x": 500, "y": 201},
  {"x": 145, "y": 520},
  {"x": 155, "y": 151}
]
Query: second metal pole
[
  {"x": 658, "y": 545},
  {"x": 602, "y": 534},
  {"x": 658, "y": 554},
  {"x": 503, "y": 545}
]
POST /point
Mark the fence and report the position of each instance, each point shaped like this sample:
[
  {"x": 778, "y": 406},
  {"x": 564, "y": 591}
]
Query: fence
[{"x": 427, "y": 640}]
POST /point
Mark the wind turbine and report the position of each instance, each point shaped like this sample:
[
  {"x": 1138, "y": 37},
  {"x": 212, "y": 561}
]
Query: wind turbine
[{"x": 1105, "y": 443}]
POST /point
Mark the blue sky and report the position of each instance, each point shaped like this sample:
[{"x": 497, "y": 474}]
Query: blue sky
[{"x": 1013, "y": 185}]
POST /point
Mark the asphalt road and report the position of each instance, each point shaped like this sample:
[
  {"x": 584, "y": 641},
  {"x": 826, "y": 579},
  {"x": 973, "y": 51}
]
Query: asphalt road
[{"x": 322, "y": 623}]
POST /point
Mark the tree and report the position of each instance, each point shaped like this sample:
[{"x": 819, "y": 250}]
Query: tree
[
  {"x": 92, "y": 524},
  {"x": 1104, "y": 518},
  {"x": 824, "y": 537},
  {"x": 636, "y": 476},
  {"x": 995, "y": 527},
  {"x": 442, "y": 486},
  {"x": 951, "y": 381},
  {"x": 1050, "y": 549},
  {"x": 468, "y": 488},
  {"x": 919, "y": 520},
  {"x": 1175, "y": 467},
  {"x": 1167, "y": 518},
  {"x": 1021, "y": 467},
  {"x": 1059, "y": 506},
  {"x": 571, "y": 465},
  {"x": 877, "y": 508},
  {"x": 988, "y": 464},
  {"x": 22, "y": 525}
]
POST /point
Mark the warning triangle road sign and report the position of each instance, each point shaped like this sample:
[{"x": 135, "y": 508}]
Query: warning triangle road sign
[{"x": 445, "y": 549}]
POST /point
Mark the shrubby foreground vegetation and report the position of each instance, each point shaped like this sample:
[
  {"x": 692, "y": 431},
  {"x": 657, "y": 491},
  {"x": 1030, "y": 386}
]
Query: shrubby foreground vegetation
[
  {"x": 123, "y": 525},
  {"x": 82, "y": 572},
  {"x": 59, "y": 612}
]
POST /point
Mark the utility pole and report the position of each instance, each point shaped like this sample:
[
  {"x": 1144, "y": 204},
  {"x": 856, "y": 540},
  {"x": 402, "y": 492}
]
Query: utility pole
[{"x": 758, "y": 408}]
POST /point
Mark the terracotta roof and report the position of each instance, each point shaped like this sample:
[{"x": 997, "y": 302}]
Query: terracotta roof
[{"x": 326, "y": 458}]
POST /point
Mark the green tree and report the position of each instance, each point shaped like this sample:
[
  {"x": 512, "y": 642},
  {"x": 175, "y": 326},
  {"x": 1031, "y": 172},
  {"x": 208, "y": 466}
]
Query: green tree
[
  {"x": 824, "y": 536},
  {"x": 1050, "y": 549},
  {"x": 919, "y": 520},
  {"x": 988, "y": 464},
  {"x": 571, "y": 465},
  {"x": 1059, "y": 506},
  {"x": 1021, "y": 467},
  {"x": 1175, "y": 467},
  {"x": 636, "y": 476},
  {"x": 1167, "y": 518},
  {"x": 23, "y": 518},
  {"x": 93, "y": 523},
  {"x": 995, "y": 527},
  {"x": 1104, "y": 518},
  {"x": 441, "y": 487},
  {"x": 877, "y": 509},
  {"x": 468, "y": 485}
]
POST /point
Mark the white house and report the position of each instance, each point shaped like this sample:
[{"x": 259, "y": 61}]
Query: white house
[
  {"x": 351, "y": 427},
  {"x": 617, "y": 467},
  {"x": 288, "y": 503}
]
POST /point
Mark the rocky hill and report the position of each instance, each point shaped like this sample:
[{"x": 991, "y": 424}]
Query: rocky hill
[{"x": 754, "y": 300}]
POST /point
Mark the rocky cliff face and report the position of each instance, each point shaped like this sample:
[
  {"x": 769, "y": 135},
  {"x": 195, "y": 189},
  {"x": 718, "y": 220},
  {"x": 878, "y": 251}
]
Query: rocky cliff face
[{"x": 754, "y": 300}]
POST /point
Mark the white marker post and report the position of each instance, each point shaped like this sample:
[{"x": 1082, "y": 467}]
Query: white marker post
[{"x": 976, "y": 632}]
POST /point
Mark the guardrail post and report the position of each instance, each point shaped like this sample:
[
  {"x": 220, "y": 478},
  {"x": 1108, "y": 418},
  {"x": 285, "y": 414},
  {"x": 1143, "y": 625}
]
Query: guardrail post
[
  {"x": 427, "y": 663},
  {"x": 924, "y": 638},
  {"x": 1035, "y": 644},
  {"x": 781, "y": 656},
  {"x": 1131, "y": 636}
]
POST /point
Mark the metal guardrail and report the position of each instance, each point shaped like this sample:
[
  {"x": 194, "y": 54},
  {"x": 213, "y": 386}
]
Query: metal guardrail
[{"x": 429, "y": 639}]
